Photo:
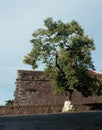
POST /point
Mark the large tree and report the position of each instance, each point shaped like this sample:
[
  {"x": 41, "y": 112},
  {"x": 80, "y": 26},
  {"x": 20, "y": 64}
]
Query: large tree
[{"x": 66, "y": 52}]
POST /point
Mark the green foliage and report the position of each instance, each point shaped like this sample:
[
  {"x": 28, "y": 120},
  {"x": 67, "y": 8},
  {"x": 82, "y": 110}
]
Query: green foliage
[
  {"x": 66, "y": 52},
  {"x": 9, "y": 103}
]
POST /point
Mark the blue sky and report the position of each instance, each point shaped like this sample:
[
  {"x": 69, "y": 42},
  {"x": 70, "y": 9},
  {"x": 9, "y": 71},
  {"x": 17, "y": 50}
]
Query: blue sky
[{"x": 20, "y": 18}]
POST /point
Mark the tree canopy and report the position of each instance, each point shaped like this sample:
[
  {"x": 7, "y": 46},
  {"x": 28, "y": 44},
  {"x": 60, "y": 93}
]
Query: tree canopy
[{"x": 66, "y": 52}]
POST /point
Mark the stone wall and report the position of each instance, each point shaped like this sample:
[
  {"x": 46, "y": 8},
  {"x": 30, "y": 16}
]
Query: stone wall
[
  {"x": 46, "y": 109},
  {"x": 32, "y": 109},
  {"x": 31, "y": 89}
]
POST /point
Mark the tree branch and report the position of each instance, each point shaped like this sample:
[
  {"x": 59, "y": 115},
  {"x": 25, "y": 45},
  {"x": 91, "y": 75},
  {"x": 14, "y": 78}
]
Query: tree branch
[{"x": 56, "y": 64}]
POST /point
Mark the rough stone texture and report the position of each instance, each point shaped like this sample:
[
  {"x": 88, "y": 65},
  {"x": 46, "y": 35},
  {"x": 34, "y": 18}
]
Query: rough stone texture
[
  {"x": 67, "y": 121},
  {"x": 31, "y": 89},
  {"x": 25, "y": 110},
  {"x": 45, "y": 109}
]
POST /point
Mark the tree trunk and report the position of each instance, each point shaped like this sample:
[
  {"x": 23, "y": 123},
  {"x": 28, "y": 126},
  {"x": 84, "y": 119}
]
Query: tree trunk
[
  {"x": 68, "y": 102},
  {"x": 68, "y": 95}
]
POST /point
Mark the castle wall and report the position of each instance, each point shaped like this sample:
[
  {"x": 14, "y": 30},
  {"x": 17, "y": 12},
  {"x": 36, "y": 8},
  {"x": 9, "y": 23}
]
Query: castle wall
[{"x": 31, "y": 89}]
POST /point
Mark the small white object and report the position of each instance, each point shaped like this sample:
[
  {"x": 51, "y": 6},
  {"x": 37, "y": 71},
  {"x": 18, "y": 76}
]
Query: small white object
[{"x": 67, "y": 106}]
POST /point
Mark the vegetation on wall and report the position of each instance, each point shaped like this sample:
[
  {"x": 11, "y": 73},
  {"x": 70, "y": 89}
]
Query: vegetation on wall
[{"x": 9, "y": 103}]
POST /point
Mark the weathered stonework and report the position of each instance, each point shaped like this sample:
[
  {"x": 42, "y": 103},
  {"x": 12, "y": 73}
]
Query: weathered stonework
[{"x": 31, "y": 89}]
